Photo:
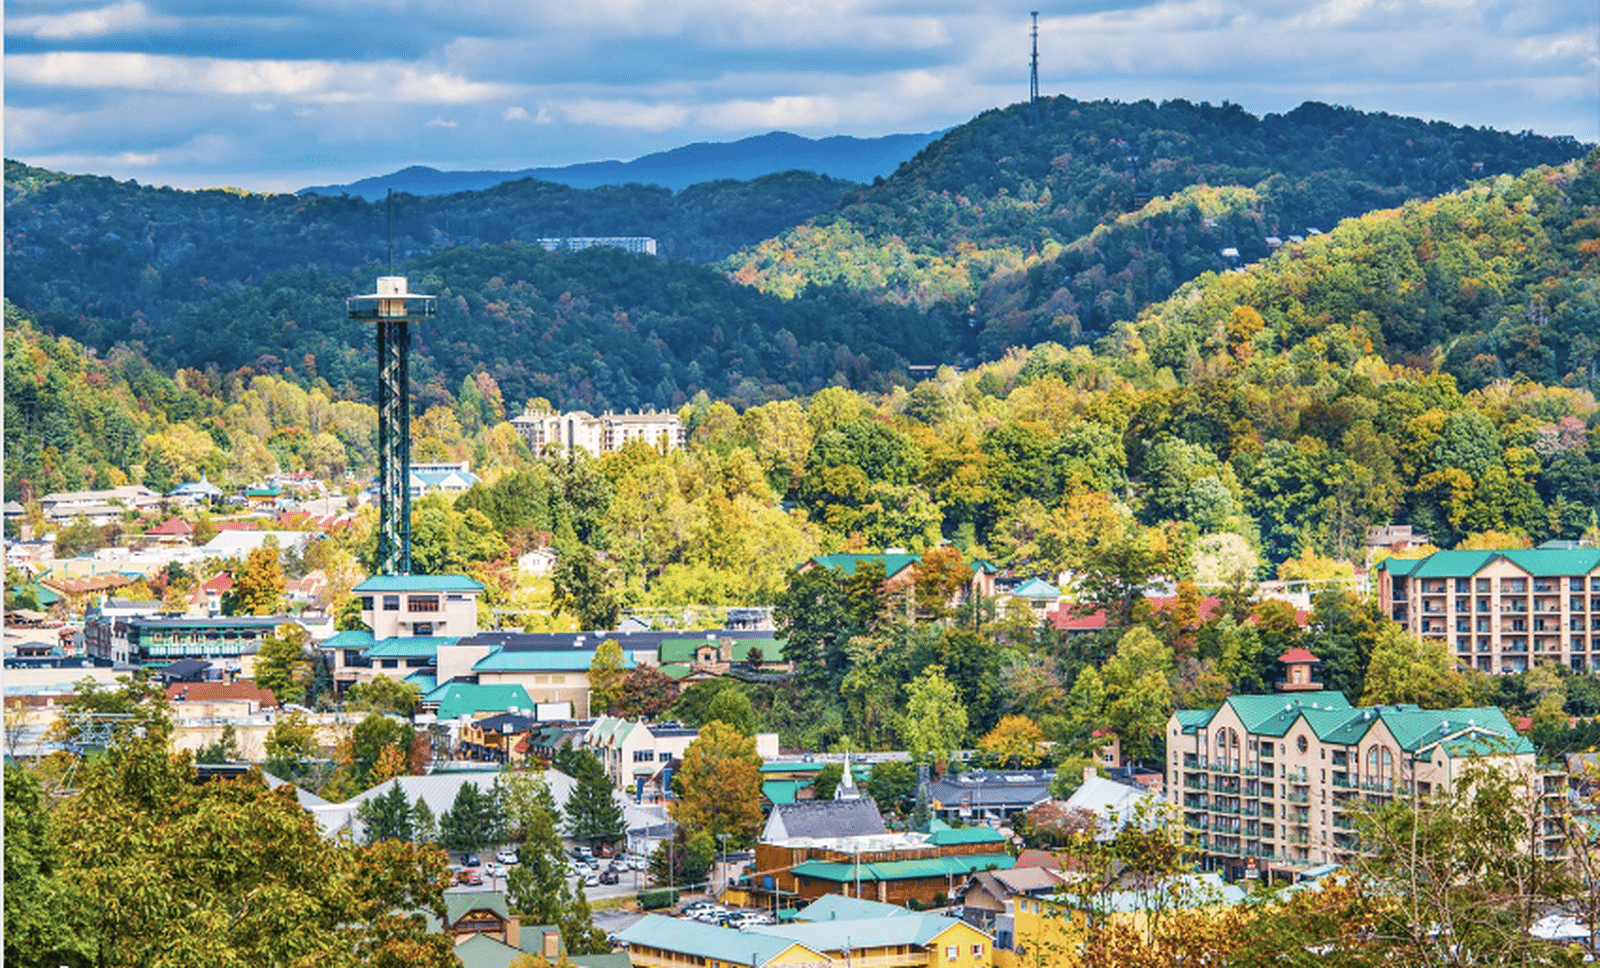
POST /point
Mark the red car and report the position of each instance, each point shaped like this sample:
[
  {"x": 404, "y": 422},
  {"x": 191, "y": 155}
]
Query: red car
[{"x": 469, "y": 878}]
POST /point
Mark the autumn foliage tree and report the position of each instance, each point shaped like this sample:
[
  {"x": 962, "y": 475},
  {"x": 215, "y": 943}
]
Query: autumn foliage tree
[{"x": 719, "y": 786}]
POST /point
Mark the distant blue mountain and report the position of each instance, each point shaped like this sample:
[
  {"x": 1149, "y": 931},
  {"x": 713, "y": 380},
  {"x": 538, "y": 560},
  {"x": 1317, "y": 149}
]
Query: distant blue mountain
[{"x": 841, "y": 156}]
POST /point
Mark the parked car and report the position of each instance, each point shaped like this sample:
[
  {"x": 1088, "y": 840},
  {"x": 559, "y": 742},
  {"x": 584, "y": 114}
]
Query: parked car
[
  {"x": 609, "y": 877},
  {"x": 507, "y": 857},
  {"x": 494, "y": 869},
  {"x": 471, "y": 860},
  {"x": 591, "y": 880},
  {"x": 470, "y": 878},
  {"x": 744, "y": 919}
]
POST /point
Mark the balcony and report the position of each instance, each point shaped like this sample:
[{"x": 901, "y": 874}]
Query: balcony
[
  {"x": 1298, "y": 797},
  {"x": 1343, "y": 782},
  {"x": 1193, "y": 762}
]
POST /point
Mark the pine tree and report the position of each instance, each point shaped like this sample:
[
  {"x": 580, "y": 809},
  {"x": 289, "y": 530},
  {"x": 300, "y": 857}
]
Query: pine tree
[
  {"x": 386, "y": 816},
  {"x": 424, "y": 828},
  {"x": 540, "y": 887},
  {"x": 475, "y": 819},
  {"x": 592, "y": 810}
]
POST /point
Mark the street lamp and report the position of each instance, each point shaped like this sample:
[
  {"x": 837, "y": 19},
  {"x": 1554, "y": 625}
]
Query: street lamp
[{"x": 723, "y": 838}]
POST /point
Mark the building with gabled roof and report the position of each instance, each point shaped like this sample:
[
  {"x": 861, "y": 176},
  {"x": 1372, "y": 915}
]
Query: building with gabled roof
[
  {"x": 908, "y": 940},
  {"x": 900, "y": 569},
  {"x": 1500, "y": 611},
  {"x": 1271, "y": 784}
]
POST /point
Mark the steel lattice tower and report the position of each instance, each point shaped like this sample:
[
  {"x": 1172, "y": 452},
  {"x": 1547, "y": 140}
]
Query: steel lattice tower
[
  {"x": 393, "y": 309},
  {"x": 1033, "y": 78}
]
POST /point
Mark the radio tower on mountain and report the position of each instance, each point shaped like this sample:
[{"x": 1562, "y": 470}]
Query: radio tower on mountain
[
  {"x": 393, "y": 309},
  {"x": 1033, "y": 79}
]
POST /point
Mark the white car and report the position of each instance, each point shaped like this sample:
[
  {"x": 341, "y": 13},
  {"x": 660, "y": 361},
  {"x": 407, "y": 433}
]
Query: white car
[
  {"x": 507, "y": 857},
  {"x": 495, "y": 869},
  {"x": 591, "y": 880}
]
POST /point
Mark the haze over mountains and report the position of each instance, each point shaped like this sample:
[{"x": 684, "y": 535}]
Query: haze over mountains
[{"x": 842, "y": 156}]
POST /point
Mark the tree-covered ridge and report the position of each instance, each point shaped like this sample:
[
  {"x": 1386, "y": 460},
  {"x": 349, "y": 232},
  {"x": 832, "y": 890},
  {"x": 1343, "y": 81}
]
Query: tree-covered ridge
[
  {"x": 1495, "y": 281},
  {"x": 998, "y": 190},
  {"x": 84, "y": 250}
]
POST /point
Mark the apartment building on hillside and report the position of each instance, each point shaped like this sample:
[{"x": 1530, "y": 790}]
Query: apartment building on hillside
[
  {"x": 1501, "y": 611},
  {"x": 1270, "y": 784},
  {"x": 548, "y": 432}
]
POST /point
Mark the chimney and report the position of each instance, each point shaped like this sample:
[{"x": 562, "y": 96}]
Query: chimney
[
  {"x": 551, "y": 948},
  {"x": 1089, "y": 773}
]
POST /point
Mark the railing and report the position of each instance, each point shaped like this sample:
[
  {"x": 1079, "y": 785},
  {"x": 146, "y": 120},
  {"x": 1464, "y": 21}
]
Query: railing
[
  {"x": 1230, "y": 808},
  {"x": 1299, "y": 798},
  {"x": 1252, "y": 810},
  {"x": 1299, "y": 838},
  {"x": 1343, "y": 782}
]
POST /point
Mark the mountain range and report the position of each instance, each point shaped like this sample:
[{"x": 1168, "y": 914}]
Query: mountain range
[{"x": 841, "y": 156}]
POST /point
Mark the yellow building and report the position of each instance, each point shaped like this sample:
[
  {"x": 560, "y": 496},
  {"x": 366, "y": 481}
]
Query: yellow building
[
  {"x": 906, "y": 939},
  {"x": 1046, "y": 928}
]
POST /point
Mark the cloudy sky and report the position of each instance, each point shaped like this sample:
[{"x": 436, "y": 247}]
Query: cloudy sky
[{"x": 280, "y": 94}]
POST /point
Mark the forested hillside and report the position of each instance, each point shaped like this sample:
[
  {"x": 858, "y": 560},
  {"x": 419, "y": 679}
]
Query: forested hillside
[
  {"x": 1057, "y": 230},
  {"x": 1253, "y": 417},
  {"x": 997, "y": 235}
]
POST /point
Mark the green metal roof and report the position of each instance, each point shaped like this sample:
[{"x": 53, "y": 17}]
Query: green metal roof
[
  {"x": 839, "y": 907},
  {"x": 457, "y": 699},
  {"x": 783, "y": 791},
  {"x": 1273, "y": 715},
  {"x": 608, "y": 728},
  {"x": 426, "y": 680},
  {"x": 1538, "y": 562},
  {"x": 682, "y": 650},
  {"x": 353, "y": 639},
  {"x": 966, "y": 835},
  {"x": 673, "y": 670},
  {"x": 409, "y": 647},
  {"x": 1190, "y": 720},
  {"x": 900, "y": 870},
  {"x": 482, "y": 951},
  {"x": 541, "y": 660},
  {"x": 1037, "y": 588},
  {"x": 892, "y": 563},
  {"x": 702, "y": 940},
  {"x": 419, "y": 583},
  {"x": 1464, "y": 732},
  {"x": 458, "y": 903},
  {"x": 872, "y": 931}
]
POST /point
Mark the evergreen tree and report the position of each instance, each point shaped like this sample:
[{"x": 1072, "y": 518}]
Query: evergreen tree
[
  {"x": 593, "y": 814},
  {"x": 540, "y": 887},
  {"x": 386, "y": 816},
  {"x": 424, "y": 828},
  {"x": 475, "y": 819}
]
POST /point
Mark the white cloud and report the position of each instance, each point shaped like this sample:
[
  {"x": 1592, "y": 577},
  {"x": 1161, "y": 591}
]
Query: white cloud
[
  {"x": 515, "y": 113},
  {"x": 306, "y": 80},
  {"x": 100, "y": 22},
  {"x": 438, "y": 122}
]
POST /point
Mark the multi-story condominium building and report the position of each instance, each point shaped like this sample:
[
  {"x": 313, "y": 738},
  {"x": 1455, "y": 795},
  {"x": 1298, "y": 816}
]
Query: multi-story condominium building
[
  {"x": 1501, "y": 611},
  {"x": 1269, "y": 784},
  {"x": 550, "y": 432},
  {"x": 158, "y": 640},
  {"x": 642, "y": 244}
]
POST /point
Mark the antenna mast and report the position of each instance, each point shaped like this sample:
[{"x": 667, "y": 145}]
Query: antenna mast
[{"x": 1033, "y": 80}]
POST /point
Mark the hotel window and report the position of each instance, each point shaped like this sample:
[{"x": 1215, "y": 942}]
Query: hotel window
[
  {"x": 977, "y": 951},
  {"x": 366, "y": 603},
  {"x": 422, "y": 628},
  {"x": 952, "y": 952},
  {"x": 423, "y": 603}
]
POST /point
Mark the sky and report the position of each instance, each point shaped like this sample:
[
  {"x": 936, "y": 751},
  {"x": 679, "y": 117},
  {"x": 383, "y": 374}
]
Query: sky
[{"x": 275, "y": 95}]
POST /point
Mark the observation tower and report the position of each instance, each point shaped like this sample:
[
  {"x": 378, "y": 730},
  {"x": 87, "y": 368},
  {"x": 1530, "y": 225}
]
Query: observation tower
[{"x": 393, "y": 309}]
